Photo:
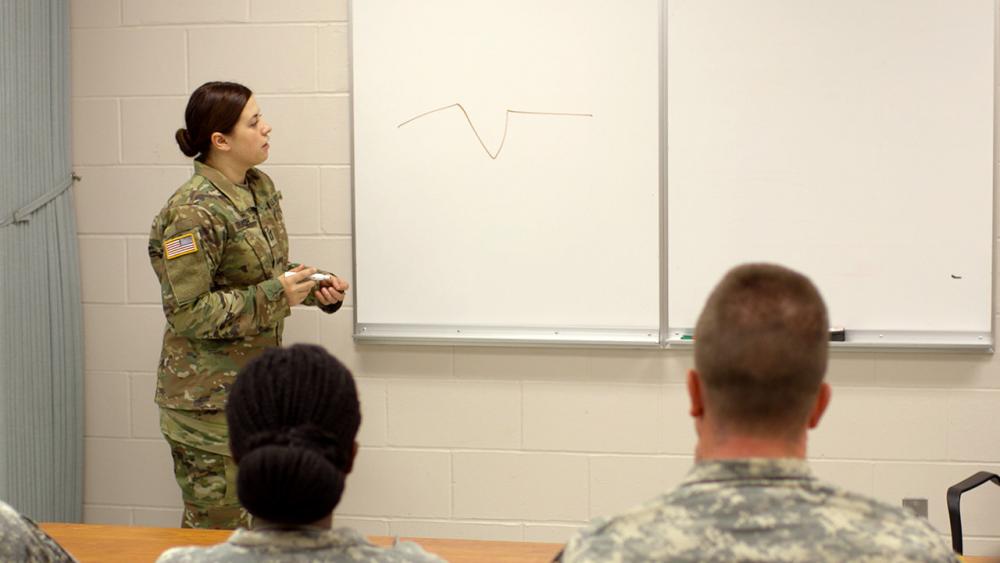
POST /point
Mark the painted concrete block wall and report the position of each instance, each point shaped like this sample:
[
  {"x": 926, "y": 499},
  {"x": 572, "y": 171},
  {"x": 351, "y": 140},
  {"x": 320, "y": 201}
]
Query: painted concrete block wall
[{"x": 495, "y": 443}]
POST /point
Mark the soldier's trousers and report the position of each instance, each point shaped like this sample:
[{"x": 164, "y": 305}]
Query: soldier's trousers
[{"x": 204, "y": 468}]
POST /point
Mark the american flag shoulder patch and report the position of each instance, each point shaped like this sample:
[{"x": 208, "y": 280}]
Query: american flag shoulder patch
[{"x": 179, "y": 246}]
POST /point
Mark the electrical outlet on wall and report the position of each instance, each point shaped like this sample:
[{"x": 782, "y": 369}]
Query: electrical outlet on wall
[{"x": 916, "y": 505}]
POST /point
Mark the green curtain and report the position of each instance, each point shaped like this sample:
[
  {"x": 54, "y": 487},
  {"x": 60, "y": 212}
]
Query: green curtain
[{"x": 41, "y": 345}]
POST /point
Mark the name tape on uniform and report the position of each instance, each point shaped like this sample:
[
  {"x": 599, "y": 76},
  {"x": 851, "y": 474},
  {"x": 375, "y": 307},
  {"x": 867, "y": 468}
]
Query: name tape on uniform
[{"x": 179, "y": 246}]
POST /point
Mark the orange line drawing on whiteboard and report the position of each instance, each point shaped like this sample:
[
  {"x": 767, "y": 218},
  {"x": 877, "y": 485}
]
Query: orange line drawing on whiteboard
[{"x": 506, "y": 122}]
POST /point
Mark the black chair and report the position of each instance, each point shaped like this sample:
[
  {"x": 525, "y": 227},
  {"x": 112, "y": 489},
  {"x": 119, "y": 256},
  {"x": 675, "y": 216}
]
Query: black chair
[{"x": 955, "y": 496}]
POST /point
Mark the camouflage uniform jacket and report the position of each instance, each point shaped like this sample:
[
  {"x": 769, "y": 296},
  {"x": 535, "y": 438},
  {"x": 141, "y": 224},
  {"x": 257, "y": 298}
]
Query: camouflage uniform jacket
[
  {"x": 299, "y": 545},
  {"x": 218, "y": 249},
  {"x": 22, "y": 540},
  {"x": 759, "y": 510}
]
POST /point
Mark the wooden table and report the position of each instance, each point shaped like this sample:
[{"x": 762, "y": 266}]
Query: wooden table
[{"x": 113, "y": 544}]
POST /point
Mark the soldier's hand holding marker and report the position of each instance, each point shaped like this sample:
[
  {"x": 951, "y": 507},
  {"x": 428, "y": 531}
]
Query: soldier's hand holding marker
[
  {"x": 297, "y": 283},
  {"x": 300, "y": 280},
  {"x": 331, "y": 290}
]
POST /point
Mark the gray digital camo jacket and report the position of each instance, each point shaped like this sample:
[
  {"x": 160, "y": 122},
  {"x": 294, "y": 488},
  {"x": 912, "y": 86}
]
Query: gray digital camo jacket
[
  {"x": 759, "y": 510},
  {"x": 302, "y": 545},
  {"x": 22, "y": 540}
]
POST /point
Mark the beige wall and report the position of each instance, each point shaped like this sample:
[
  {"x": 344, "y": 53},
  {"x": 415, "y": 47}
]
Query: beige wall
[{"x": 499, "y": 443}]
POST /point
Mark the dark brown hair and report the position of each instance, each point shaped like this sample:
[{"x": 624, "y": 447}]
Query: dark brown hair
[
  {"x": 293, "y": 414},
  {"x": 213, "y": 107},
  {"x": 761, "y": 348}
]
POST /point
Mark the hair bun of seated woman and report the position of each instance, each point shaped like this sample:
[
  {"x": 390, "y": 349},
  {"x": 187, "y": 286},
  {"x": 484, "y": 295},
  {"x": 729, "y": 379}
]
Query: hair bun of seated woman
[{"x": 288, "y": 485}]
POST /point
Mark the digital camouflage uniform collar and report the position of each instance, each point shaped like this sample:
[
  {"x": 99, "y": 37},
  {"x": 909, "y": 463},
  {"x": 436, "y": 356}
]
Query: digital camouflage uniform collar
[
  {"x": 720, "y": 470},
  {"x": 241, "y": 197},
  {"x": 303, "y": 537}
]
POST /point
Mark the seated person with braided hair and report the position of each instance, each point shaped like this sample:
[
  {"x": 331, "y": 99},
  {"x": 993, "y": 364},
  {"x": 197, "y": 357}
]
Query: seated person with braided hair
[{"x": 293, "y": 416}]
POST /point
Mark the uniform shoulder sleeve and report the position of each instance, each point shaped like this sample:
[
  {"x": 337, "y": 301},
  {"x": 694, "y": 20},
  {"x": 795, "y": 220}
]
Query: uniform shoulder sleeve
[
  {"x": 24, "y": 541},
  {"x": 192, "y": 243},
  {"x": 579, "y": 548}
]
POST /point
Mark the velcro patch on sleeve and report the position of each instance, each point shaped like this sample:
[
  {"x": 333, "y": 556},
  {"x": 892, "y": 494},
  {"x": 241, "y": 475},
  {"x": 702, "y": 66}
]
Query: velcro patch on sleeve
[{"x": 179, "y": 246}]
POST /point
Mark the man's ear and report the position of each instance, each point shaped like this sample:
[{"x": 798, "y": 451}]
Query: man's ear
[
  {"x": 219, "y": 142},
  {"x": 822, "y": 401},
  {"x": 695, "y": 394}
]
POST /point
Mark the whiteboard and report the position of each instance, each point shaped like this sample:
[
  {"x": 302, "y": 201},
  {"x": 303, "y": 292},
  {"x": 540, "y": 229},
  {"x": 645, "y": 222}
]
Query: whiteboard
[
  {"x": 851, "y": 140},
  {"x": 506, "y": 169},
  {"x": 564, "y": 171}
]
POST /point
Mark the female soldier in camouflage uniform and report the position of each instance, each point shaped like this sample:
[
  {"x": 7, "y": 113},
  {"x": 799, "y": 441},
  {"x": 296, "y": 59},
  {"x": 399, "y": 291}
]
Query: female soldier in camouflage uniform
[{"x": 220, "y": 250}]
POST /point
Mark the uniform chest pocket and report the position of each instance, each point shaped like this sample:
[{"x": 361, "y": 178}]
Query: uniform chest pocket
[
  {"x": 247, "y": 259},
  {"x": 275, "y": 223}
]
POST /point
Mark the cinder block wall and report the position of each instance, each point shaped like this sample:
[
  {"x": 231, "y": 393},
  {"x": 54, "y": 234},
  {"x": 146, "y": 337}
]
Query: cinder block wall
[{"x": 492, "y": 443}]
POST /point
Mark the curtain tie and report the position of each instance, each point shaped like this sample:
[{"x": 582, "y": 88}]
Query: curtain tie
[{"x": 23, "y": 215}]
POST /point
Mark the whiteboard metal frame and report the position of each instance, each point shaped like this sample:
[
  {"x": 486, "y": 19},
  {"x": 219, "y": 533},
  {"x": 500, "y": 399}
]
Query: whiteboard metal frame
[
  {"x": 996, "y": 162},
  {"x": 664, "y": 337},
  {"x": 664, "y": 181},
  {"x": 350, "y": 121},
  {"x": 495, "y": 335},
  {"x": 885, "y": 341}
]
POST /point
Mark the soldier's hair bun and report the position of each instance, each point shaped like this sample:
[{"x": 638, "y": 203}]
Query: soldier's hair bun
[
  {"x": 307, "y": 435},
  {"x": 293, "y": 415},
  {"x": 288, "y": 485},
  {"x": 184, "y": 142},
  {"x": 215, "y": 107}
]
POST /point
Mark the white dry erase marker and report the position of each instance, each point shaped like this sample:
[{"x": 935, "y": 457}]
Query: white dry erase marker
[{"x": 317, "y": 277}]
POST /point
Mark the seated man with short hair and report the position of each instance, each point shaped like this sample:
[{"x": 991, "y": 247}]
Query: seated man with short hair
[{"x": 760, "y": 357}]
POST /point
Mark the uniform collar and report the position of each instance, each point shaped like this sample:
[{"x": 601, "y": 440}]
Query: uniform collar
[
  {"x": 299, "y": 537},
  {"x": 717, "y": 470},
  {"x": 242, "y": 197}
]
